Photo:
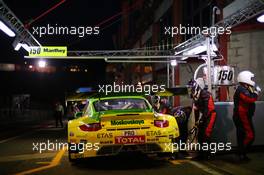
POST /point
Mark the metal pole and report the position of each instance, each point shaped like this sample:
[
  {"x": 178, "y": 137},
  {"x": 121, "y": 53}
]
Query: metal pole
[
  {"x": 172, "y": 76},
  {"x": 168, "y": 79},
  {"x": 216, "y": 11},
  {"x": 140, "y": 61},
  {"x": 173, "y": 81},
  {"x": 208, "y": 61},
  {"x": 116, "y": 57},
  {"x": 168, "y": 75}
]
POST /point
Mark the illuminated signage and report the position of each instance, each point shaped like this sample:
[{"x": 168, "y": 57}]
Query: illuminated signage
[{"x": 48, "y": 51}]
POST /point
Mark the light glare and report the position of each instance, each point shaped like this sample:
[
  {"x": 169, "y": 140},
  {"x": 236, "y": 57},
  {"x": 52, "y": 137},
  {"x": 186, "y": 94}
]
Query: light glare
[
  {"x": 173, "y": 62},
  {"x": 42, "y": 63},
  {"x": 7, "y": 30},
  {"x": 261, "y": 19}
]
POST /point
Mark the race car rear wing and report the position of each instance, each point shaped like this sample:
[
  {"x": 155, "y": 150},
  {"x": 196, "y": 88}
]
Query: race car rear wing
[{"x": 176, "y": 91}]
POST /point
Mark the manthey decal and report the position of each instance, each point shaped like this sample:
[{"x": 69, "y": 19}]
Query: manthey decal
[
  {"x": 127, "y": 122},
  {"x": 46, "y": 51}
]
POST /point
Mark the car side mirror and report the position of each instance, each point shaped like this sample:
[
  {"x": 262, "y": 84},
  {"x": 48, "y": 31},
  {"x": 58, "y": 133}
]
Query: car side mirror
[{"x": 78, "y": 114}]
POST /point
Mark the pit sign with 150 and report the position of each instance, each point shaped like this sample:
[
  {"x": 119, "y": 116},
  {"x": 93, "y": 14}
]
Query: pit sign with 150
[{"x": 224, "y": 75}]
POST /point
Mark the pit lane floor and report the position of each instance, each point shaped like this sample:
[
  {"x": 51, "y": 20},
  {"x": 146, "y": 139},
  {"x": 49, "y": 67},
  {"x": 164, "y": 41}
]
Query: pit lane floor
[{"x": 18, "y": 157}]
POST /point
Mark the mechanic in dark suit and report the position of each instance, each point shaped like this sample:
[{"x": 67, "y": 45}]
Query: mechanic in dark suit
[
  {"x": 205, "y": 114},
  {"x": 59, "y": 113}
]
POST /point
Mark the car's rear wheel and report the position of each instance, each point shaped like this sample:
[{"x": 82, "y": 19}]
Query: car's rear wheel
[
  {"x": 175, "y": 153},
  {"x": 69, "y": 154}
]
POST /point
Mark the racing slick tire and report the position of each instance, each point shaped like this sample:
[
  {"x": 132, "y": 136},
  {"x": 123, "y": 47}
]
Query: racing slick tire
[
  {"x": 69, "y": 154},
  {"x": 170, "y": 155}
]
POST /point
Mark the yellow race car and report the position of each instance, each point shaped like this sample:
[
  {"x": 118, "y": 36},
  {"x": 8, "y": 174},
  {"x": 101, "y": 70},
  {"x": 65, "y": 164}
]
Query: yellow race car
[{"x": 115, "y": 124}]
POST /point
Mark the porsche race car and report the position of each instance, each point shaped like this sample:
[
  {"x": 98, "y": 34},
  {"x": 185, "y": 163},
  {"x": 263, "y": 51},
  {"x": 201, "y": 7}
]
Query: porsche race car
[{"x": 114, "y": 124}]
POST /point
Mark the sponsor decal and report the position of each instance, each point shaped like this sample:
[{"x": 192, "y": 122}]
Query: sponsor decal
[
  {"x": 129, "y": 139},
  {"x": 153, "y": 140},
  {"x": 126, "y": 122},
  {"x": 129, "y": 133},
  {"x": 106, "y": 142},
  {"x": 153, "y": 133},
  {"x": 104, "y": 135},
  {"x": 48, "y": 51}
]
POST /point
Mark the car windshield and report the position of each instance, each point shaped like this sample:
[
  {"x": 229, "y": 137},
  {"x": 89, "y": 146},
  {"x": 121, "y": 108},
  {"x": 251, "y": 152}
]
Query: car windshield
[{"x": 121, "y": 104}]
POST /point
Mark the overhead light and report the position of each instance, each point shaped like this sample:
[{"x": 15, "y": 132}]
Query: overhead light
[
  {"x": 200, "y": 48},
  {"x": 42, "y": 63},
  {"x": 7, "y": 30},
  {"x": 25, "y": 46},
  {"x": 261, "y": 18},
  {"x": 196, "y": 50},
  {"x": 173, "y": 63},
  {"x": 184, "y": 58},
  {"x": 18, "y": 46}
]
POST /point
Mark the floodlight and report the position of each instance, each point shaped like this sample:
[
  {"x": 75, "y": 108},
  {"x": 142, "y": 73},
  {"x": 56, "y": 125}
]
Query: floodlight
[
  {"x": 6, "y": 29},
  {"x": 261, "y": 18}
]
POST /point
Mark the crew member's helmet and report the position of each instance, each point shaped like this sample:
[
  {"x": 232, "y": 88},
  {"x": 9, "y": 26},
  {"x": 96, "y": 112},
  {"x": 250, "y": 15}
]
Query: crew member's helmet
[
  {"x": 200, "y": 82},
  {"x": 246, "y": 77},
  {"x": 195, "y": 87},
  {"x": 155, "y": 99}
]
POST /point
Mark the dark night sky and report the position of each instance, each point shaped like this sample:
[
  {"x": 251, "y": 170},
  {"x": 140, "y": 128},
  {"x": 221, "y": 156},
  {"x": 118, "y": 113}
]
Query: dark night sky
[{"x": 70, "y": 13}]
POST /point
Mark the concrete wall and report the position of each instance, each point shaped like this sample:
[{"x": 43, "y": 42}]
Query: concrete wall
[
  {"x": 245, "y": 51},
  {"x": 225, "y": 131}
]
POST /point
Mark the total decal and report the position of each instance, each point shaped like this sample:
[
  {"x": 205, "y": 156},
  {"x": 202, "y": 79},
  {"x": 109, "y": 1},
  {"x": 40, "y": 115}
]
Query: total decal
[{"x": 130, "y": 139}]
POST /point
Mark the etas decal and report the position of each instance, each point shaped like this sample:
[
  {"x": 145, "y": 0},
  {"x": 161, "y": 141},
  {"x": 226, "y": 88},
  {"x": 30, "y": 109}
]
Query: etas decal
[
  {"x": 104, "y": 135},
  {"x": 153, "y": 133}
]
